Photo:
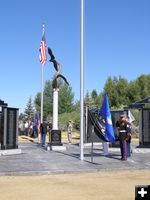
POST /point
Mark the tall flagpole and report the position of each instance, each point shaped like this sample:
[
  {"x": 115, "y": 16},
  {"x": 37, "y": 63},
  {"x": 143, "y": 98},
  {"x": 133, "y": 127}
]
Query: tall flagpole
[
  {"x": 81, "y": 78},
  {"x": 42, "y": 82}
]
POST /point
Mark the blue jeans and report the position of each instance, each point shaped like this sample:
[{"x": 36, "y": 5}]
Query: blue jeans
[{"x": 43, "y": 138}]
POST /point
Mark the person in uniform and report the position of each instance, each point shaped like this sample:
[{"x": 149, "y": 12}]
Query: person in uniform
[
  {"x": 124, "y": 130},
  {"x": 128, "y": 139},
  {"x": 69, "y": 131}
]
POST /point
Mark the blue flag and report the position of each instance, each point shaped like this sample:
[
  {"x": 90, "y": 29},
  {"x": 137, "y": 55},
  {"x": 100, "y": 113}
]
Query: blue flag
[
  {"x": 36, "y": 121},
  {"x": 105, "y": 113}
]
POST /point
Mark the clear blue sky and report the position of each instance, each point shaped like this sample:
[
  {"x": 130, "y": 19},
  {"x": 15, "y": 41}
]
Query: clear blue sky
[{"x": 117, "y": 42}]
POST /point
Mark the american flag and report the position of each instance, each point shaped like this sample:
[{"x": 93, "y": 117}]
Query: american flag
[{"x": 42, "y": 55}]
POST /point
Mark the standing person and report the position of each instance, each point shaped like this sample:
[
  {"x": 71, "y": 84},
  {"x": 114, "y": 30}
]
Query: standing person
[
  {"x": 31, "y": 129},
  {"x": 39, "y": 131},
  {"x": 124, "y": 132},
  {"x": 21, "y": 128},
  {"x": 128, "y": 137},
  {"x": 69, "y": 131},
  {"x": 26, "y": 128},
  {"x": 43, "y": 130}
]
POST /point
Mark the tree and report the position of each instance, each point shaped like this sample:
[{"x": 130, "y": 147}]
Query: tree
[
  {"x": 87, "y": 99},
  {"x": 37, "y": 102},
  {"x": 65, "y": 100},
  {"x": 22, "y": 117},
  {"x": 94, "y": 97},
  {"x": 48, "y": 99},
  {"x": 122, "y": 90},
  {"x": 29, "y": 110},
  {"x": 122, "y": 93},
  {"x": 133, "y": 92},
  {"x": 143, "y": 83},
  {"x": 110, "y": 89}
]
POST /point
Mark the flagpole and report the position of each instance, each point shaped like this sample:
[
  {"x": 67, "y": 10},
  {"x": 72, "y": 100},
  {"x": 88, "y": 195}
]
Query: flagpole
[
  {"x": 81, "y": 79},
  {"x": 42, "y": 81}
]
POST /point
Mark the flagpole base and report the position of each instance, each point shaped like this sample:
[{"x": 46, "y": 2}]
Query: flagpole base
[
  {"x": 105, "y": 148},
  {"x": 55, "y": 138}
]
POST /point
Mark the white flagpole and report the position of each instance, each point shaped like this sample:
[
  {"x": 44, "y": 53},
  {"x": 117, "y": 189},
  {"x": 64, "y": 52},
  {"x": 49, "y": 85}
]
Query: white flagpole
[
  {"x": 42, "y": 82},
  {"x": 81, "y": 79}
]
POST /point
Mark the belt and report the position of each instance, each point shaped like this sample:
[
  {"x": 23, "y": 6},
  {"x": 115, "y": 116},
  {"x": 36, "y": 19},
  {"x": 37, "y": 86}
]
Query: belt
[{"x": 122, "y": 131}]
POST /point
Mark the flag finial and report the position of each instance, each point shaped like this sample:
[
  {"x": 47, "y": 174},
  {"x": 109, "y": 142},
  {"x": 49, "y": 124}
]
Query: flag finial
[{"x": 43, "y": 27}]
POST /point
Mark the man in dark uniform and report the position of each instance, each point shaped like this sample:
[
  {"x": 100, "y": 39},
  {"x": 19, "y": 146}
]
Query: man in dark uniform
[
  {"x": 124, "y": 136},
  {"x": 128, "y": 127}
]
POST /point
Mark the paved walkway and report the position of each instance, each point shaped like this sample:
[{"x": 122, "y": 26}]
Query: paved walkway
[{"x": 35, "y": 159}]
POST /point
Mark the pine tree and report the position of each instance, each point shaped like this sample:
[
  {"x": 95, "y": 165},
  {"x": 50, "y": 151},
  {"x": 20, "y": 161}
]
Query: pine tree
[{"x": 29, "y": 110}]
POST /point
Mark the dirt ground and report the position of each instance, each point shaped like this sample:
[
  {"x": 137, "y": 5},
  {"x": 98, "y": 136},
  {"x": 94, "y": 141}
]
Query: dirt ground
[{"x": 113, "y": 185}]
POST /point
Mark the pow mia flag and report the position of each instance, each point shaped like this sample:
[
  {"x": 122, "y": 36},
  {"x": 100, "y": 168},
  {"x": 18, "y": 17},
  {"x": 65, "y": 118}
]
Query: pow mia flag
[{"x": 142, "y": 192}]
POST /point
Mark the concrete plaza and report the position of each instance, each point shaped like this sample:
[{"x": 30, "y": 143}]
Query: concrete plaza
[{"x": 35, "y": 159}]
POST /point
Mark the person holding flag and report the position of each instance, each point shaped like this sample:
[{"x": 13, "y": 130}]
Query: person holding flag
[
  {"x": 124, "y": 128},
  {"x": 106, "y": 115}
]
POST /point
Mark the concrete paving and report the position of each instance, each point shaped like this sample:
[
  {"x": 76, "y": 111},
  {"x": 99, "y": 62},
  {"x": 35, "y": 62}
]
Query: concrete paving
[{"x": 35, "y": 159}]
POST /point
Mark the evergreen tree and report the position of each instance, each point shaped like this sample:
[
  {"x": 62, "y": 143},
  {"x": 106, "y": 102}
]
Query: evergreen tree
[
  {"x": 94, "y": 97},
  {"x": 65, "y": 99},
  {"x": 48, "y": 99},
  {"x": 29, "y": 110},
  {"x": 37, "y": 102},
  {"x": 110, "y": 89},
  {"x": 143, "y": 83},
  {"x": 122, "y": 91},
  {"x": 87, "y": 99},
  {"x": 133, "y": 92}
]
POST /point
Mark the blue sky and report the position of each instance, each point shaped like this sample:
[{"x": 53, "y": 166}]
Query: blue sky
[{"x": 117, "y": 42}]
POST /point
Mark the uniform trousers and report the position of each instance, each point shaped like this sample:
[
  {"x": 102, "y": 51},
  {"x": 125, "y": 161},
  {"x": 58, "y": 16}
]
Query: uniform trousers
[{"x": 123, "y": 148}]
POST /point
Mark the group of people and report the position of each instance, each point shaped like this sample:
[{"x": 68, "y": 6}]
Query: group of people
[
  {"x": 124, "y": 130},
  {"x": 28, "y": 128},
  {"x": 40, "y": 130},
  {"x": 47, "y": 127},
  {"x": 123, "y": 125}
]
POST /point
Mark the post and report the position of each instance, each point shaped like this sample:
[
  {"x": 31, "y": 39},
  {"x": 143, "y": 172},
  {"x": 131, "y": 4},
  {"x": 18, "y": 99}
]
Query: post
[
  {"x": 105, "y": 148},
  {"x": 55, "y": 132},
  {"x": 81, "y": 81},
  {"x": 92, "y": 145},
  {"x": 42, "y": 83},
  {"x": 86, "y": 124},
  {"x": 55, "y": 109}
]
